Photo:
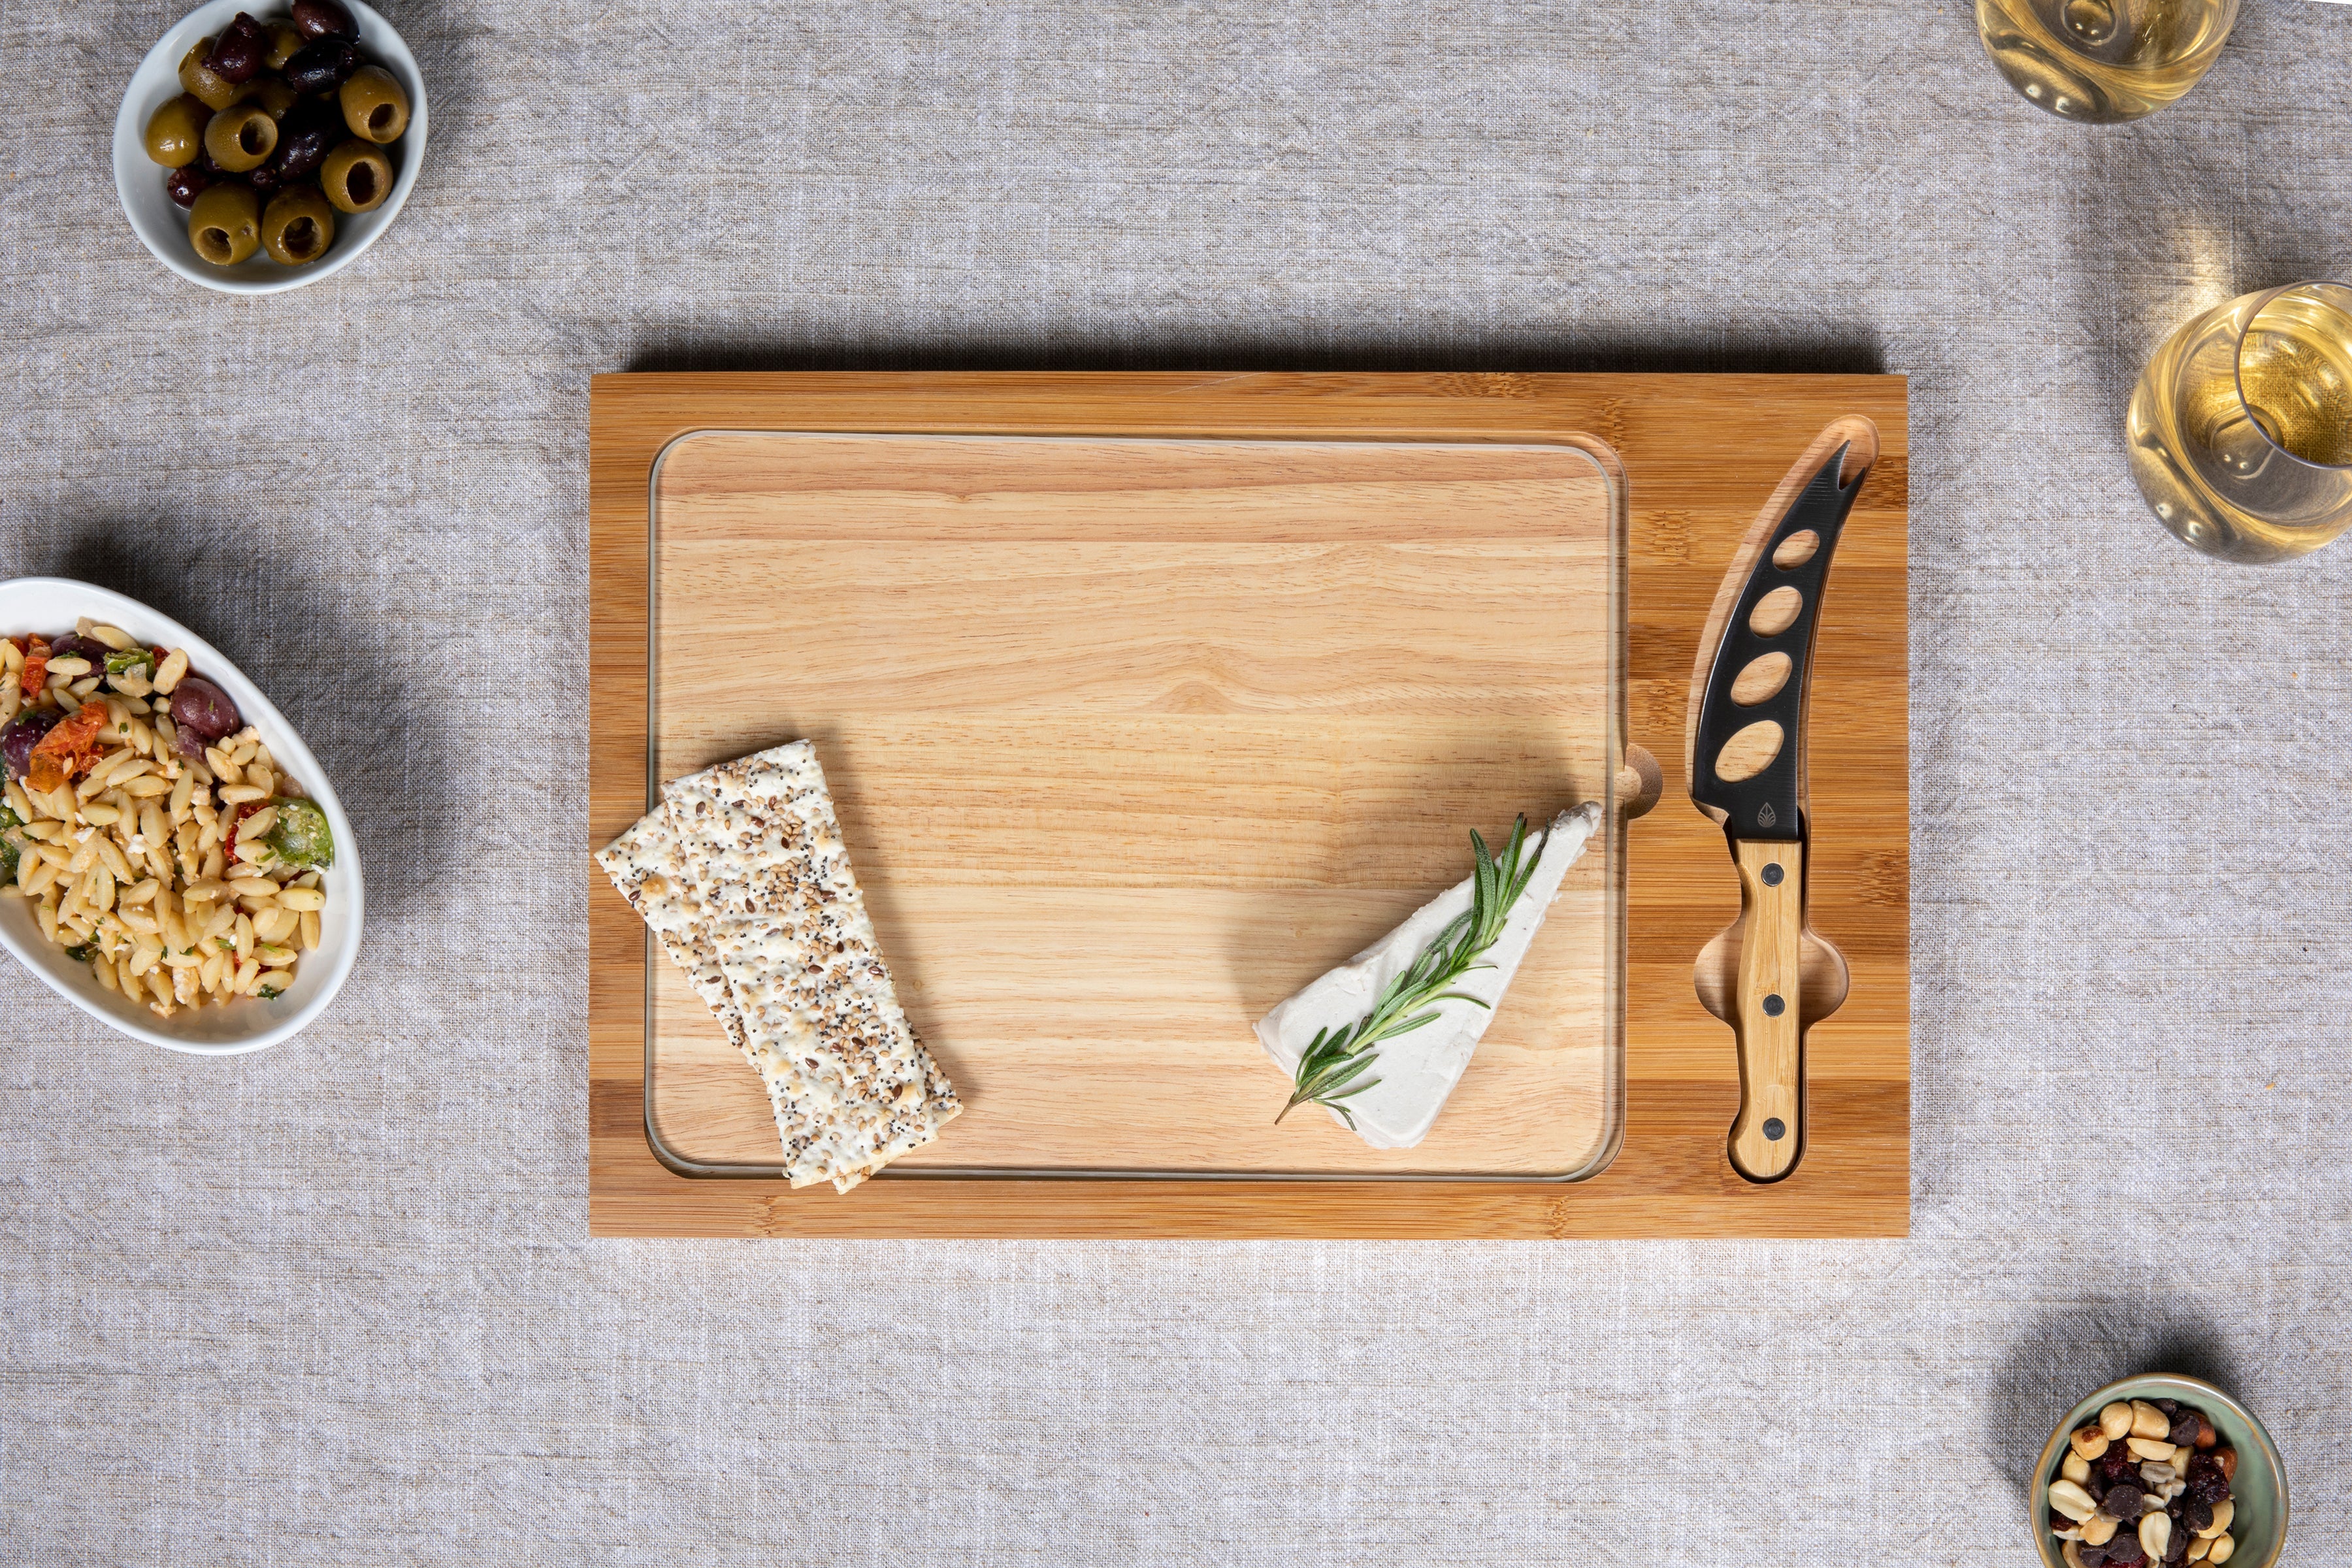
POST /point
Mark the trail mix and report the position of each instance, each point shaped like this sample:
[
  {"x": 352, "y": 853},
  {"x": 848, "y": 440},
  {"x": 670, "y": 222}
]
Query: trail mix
[
  {"x": 149, "y": 825},
  {"x": 2148, "y": 1482}
]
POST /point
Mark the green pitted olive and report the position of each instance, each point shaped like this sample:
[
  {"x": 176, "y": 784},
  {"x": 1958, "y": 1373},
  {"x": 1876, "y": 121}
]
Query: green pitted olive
[
  {"x": 285, "y": 43},
  {"x": 356, "y": 176},
  {"x": 374, "y": 105},
  {"x": 225, "y": 226},
  {"x": 176, "y": 135},
  {"x": 296, "y": 226},
  {"x": 241, "y": 137},
  {"x": 275, "y": 96},
  {"x": 217, "y": 92}
]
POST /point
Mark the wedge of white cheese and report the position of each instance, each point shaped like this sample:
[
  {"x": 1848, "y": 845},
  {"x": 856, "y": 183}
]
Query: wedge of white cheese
[{"x": 1418, "y": 1069}]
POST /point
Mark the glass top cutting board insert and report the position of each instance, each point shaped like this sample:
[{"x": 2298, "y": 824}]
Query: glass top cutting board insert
[{"x": 1130, "y": 739}]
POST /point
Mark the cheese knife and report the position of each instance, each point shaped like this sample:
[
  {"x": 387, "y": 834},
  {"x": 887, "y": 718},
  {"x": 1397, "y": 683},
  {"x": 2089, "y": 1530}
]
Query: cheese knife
[{"x": 1744, "y": 754}]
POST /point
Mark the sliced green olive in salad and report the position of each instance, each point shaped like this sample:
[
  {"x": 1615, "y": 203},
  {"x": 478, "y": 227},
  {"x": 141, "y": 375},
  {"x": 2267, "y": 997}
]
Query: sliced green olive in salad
[{"x": 300, "y": 836}]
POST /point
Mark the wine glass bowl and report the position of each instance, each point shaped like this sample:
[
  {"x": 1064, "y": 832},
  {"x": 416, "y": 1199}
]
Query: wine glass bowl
[
  {"x": 2240, "y": 431},
  {"x": 2104, "y": 61}
]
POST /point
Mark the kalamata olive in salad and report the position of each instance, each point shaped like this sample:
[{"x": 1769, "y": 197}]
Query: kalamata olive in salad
[
  {"x": 202, "y": 708},
  {"x": 321, "y": 66},
  {"x": 22, "y": 734},
  {"x": 323, "y": 19},
  {"x": 239, "y": 52},
  {"x": 75, "y": 646}
]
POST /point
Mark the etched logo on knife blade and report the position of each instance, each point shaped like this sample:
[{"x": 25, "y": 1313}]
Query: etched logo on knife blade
[{"x": 1764, "y": 815}]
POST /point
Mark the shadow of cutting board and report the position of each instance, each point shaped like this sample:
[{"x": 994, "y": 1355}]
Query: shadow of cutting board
[{"x": 712, "y": 528}]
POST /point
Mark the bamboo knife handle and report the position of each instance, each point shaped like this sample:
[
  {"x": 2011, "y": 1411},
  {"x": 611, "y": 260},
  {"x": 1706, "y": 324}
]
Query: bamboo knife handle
[{"x": 1770, "y": 1133}]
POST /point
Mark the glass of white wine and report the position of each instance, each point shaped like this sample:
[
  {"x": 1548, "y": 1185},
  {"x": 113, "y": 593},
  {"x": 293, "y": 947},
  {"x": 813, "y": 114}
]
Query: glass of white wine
[
  {"x": 2240, "y": 431},
  {"x": 2104, "y": 61}
]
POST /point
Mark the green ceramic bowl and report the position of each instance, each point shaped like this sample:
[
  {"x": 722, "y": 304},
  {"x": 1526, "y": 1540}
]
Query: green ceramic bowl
[{"x": 2260, "y": 1489}]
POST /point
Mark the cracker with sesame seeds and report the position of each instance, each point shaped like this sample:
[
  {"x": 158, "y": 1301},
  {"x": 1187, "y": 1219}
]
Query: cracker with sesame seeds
[
  {"x": 798, "y": 949},
  {"x": 742, "y": 875}
]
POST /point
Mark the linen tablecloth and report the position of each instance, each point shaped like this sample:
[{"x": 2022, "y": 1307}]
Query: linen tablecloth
[{"x": 336, "y": 1303}]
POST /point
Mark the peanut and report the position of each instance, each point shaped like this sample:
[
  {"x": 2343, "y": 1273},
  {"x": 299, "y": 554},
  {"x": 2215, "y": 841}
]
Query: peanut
[
  {"x": 2099, "y": 1528},
  {"x": 2199, "y": 1547},
  {"x": 2075, "y": 1468},
  {"x": 2223, "y": 1513},
  {"x": 2222, "y": 1547},
  {"x": 2156, "y": 1535},
  {"x": 2071, "y": 1554},
  {"x": 2150, "y": 1447},
  {"x": 2147, "y": 1420},
  {"x": 2116, "y": 1420},
  {"x": 2089, "y": 1442},
  {"x": 2073, "y": 1501}
]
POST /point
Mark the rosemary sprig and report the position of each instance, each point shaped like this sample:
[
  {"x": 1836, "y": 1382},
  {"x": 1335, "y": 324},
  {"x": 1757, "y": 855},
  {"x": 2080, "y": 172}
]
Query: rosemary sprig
[{"x": 1333, "y": 1067}]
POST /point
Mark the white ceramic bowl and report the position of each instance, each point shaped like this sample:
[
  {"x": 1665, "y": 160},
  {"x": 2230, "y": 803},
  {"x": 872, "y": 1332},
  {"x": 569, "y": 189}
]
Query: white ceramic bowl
[
  {"x": 50, "y": 605},
  {"x": 163, "y": 227}
]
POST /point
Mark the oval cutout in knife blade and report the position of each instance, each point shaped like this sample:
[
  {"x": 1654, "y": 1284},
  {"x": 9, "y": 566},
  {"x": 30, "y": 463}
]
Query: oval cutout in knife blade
[
  {"x": 1796, "y": 550},
  {"x": 1775, "y": 612},
  {"x": 1748, "y": 753},
  {"x": 1762, "y": 679}
]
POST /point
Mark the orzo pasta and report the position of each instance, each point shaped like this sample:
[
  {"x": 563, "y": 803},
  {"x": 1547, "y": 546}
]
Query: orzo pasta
[{"x": 149, "y": 825}]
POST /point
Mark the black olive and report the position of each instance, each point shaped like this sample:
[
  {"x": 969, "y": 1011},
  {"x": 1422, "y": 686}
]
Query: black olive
[
  {"x": 323, "y": 19},
  {"x": 185, "y": 185},
  {"x": 309, "y": 133},
  {"x": 239, "y": 52},
  {"x": 323, "y": 67}
]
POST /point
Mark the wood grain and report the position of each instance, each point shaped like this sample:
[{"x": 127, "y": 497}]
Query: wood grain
[
  {"x": 1769, "y": 1132},
  {"x": 1130, "y": 740},
  {"x": 1701, "y": 452}
]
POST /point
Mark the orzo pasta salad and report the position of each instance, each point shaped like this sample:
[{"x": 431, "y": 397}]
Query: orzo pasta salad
[{"x": 148, "y": 824}]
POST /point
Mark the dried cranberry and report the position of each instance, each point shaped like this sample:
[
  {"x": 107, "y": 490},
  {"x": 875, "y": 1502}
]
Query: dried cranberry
[
  {"x": 2117, "y": 1463},
  {"x": 2059, "y": 1522},
  {"x": 2097, "y": 1485},
  {"x": 2184, "y": 1426},
  {"x": 2124, "y": 1500},
  {"x": 2175, "y": 1547},
  {"x": 2168, "y": 1406}
]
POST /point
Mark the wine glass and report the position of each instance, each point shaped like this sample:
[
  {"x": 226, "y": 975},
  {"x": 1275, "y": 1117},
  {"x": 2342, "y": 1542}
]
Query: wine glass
[
  {"x": 2103, "y": 61},
  {"x": 2240, "y": 431}
]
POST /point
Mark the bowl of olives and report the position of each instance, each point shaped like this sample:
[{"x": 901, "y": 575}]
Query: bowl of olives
[{"x": 259, "y": 149}]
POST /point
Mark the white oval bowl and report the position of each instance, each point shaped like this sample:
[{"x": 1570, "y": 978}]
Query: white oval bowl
[
  {"x": 163, "y": 227},
  {"x": 50, "y": 605}
]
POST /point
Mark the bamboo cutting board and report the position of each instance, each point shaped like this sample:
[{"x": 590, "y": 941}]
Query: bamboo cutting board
[{"x": 1210, "y": 715}]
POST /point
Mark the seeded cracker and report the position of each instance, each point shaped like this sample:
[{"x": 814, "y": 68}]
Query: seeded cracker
[
  {"x": 800, "y": 956},
  {"x": 645, "y": 865}
]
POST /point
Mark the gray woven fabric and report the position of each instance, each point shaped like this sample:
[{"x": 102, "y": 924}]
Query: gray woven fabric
[{"x": 335, "y": 1303}]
